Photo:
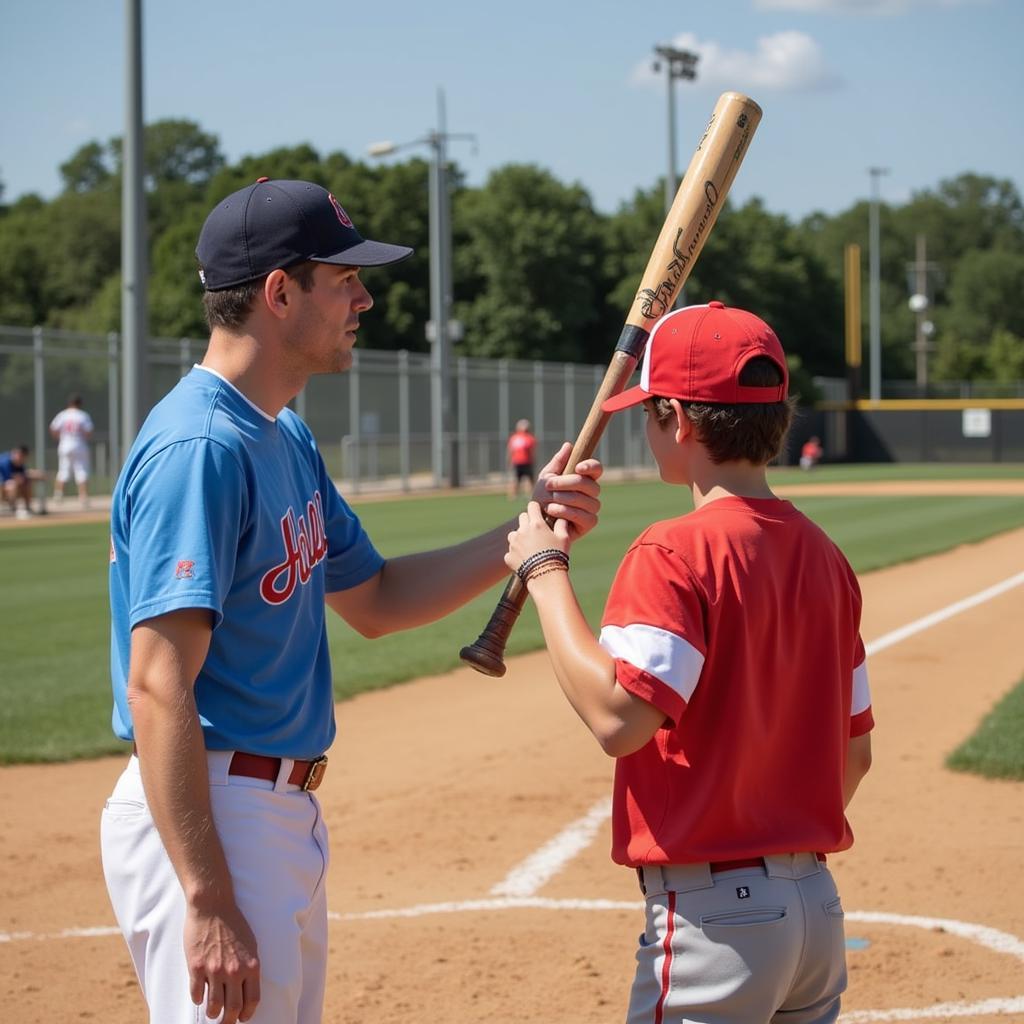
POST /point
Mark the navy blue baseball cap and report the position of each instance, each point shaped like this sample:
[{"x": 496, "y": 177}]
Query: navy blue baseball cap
[{"x": 275, "y": 224}]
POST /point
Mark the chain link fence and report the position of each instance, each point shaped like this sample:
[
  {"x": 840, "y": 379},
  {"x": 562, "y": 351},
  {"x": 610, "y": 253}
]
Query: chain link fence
[{"x": 373, "y": 424}]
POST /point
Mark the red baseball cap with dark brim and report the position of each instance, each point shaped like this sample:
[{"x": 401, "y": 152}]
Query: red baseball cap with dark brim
[{"x": 696, "y": 354}]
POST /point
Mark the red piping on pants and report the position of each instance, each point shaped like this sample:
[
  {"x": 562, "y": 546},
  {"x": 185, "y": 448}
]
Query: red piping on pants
[{"x": 666, "y": 968}]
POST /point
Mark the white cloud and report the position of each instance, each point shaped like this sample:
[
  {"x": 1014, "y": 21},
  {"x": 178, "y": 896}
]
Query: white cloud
[
  {"x": 858, "y": 6},
  {"x": 784, "y": 62}
]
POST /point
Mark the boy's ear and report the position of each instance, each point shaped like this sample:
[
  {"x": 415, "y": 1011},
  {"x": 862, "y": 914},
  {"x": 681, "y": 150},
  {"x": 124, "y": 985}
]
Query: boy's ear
[{"x": 684, "y": 428}]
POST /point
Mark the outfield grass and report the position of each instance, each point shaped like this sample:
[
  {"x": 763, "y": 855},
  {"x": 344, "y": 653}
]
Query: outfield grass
[
  {"x": 53, "y": 603},
  {"x": 897, "y": 471},
  {"x": 996, "y": 750}
]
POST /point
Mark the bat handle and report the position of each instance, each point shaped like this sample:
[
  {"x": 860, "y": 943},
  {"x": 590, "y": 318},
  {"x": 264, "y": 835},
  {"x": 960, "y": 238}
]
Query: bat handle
[{"x": 486, "y": 654}]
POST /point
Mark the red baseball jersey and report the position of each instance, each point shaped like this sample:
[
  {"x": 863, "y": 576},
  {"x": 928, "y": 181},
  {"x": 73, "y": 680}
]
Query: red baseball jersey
[
  {"x": 520, "y": 448},
  {"x": 741, "y": 622}
]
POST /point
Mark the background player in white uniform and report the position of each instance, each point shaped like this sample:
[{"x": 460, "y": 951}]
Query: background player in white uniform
[
  {"x": 73, "y": 428},
  {"x": 228, "y": 539},
  {"x": 729, "y": 684}
]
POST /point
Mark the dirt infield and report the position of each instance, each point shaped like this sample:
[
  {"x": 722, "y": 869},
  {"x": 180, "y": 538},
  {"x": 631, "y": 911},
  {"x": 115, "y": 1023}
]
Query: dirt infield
[{"x": 439, "y": 789}]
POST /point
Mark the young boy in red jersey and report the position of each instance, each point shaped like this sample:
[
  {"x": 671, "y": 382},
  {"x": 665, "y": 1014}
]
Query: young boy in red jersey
[{"x": 729, "y": 684}]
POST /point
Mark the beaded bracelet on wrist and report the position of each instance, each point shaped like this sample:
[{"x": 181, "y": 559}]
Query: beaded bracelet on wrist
[
  {"x": 538, "y": 556},
  {"x": 526, "y": 573},
  {"x": 540, "y": 568},
  {"x": 548, "y": 554},
  {"x": 541, "y": 558},
  {"x": 553, "y": 566}
]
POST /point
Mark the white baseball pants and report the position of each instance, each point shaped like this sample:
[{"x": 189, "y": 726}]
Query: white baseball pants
[
  {"x": 275, "y": 842},
  {"x": 76, "y": 463}
]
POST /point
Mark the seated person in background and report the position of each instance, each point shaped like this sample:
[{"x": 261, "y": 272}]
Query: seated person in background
[
  {"x": 16, "y": 480},
  {"x": 811, "y": 453}
]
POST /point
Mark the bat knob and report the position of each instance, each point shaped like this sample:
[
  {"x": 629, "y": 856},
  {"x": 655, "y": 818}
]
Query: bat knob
[
  {"x": 483, "y": 659},
  {"x": 487, "y": 652}
]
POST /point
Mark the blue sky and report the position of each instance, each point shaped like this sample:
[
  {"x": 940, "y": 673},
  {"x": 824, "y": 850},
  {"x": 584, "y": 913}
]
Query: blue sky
[{"x": 926, "y": 88}]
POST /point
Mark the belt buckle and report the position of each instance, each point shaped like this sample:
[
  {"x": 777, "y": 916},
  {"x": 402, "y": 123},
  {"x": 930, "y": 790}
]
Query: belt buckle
[{"x": 315, "y": 774}]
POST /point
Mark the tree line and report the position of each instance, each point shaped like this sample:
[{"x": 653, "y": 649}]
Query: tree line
[{"x": 538, "y": 273}]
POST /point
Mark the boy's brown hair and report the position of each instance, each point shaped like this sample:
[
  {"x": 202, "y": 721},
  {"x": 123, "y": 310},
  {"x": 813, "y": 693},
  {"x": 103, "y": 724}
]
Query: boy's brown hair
[{"x": 747, "y": 432}]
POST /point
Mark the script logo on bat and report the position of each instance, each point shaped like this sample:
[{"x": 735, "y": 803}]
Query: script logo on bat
[
  {"x": 656, "y": 302},
  {"x": 707, "y": 132}
]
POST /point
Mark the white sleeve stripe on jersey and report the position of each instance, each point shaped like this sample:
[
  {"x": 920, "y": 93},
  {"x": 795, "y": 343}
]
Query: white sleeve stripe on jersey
[
  {"x": 660, "y": 653},
  {"x": 861, "y": 692}
]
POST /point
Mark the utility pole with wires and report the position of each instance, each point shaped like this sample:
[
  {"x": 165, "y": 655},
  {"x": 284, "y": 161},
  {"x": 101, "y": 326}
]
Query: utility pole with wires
[{"x": 442, "y": 329}]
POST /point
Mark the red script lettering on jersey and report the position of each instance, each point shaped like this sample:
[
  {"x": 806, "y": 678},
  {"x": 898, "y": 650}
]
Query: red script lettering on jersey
[{"x": 305, "y": 546}]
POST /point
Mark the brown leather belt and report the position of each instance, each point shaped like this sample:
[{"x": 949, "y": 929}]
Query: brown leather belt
[{"x": 307, "y": 775}]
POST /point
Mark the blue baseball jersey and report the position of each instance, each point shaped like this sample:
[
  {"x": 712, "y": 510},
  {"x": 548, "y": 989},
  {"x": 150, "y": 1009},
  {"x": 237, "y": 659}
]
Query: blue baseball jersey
[
  {"x": 221, "y": 506},
  {"x": 8, "y": 470}
]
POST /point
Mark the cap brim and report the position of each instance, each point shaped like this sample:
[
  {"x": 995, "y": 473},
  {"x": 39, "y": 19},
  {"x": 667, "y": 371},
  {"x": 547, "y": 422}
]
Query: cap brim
[
  {"x": 367, "y": 254},
  {"x": 623, "y": 400}
]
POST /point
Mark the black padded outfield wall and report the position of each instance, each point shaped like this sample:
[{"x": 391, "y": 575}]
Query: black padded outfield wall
[{"x": 975, "y": 434}]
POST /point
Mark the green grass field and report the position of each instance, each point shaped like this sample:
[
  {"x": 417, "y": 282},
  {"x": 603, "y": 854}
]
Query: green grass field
[
  {"x": 896, "y": 471},
  {"x": 56, "y": 626},
  {"x": 827, "y": 473},
  {"x": 996, "y": 750}
]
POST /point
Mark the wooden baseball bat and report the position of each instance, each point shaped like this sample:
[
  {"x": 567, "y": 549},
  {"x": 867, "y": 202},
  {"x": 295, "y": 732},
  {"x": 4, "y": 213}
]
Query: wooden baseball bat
[{"x": 696, "y": 206}]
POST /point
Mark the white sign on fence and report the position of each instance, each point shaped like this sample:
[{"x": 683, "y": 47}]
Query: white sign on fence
[{"x": 977, "y": 422}]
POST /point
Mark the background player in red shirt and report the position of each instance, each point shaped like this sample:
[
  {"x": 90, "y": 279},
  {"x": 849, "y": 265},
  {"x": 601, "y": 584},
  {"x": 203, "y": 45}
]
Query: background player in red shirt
[
  {"x": 521, "y": 446},
  {"x": 811, "y": 453},
  {"x": 729, "y": 683}
]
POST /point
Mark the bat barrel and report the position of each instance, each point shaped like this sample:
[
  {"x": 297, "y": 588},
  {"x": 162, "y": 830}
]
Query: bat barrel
[{"x": 698, "y": 202}]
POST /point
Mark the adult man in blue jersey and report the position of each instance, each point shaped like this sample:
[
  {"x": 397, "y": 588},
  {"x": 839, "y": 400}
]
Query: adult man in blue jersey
[{"x": 227, "y": 541}]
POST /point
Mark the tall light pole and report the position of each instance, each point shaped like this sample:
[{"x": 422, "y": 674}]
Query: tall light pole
[
  {"x": 678, "y": 64},
  {"x": 439, "y": 330},
  {"x": 134, "y": 326},
  {"x": 874, "y": 300}
]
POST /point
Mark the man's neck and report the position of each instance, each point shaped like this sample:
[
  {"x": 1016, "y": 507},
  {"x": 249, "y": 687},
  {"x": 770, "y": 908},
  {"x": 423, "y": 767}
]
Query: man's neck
[{"x": 251, "y": 366}]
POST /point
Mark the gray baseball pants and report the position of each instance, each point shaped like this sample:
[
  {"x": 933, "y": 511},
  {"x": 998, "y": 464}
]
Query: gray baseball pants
[{"x": 751, "y": 945}]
